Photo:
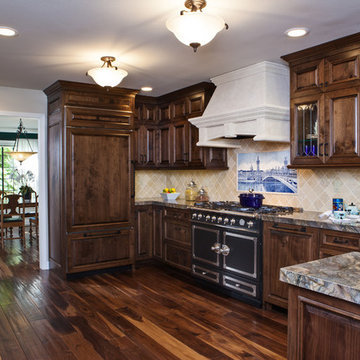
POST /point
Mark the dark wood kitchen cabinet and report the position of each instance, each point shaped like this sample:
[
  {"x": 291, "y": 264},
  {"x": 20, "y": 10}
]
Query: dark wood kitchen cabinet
[
  {"x": 165, "y": 139},
  {"x": 322, "y": 327},
  {"x": 285, "y": 245},
  {"x": 144, "y": 231},
  {"x": 177, "y": 238},
  {"x": 90, "y": 176},
  {"x": 325, "y": 107}
]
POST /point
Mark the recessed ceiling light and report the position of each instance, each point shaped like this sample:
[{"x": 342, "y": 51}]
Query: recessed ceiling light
[
  {"x": 146, "y": 88},
  {"x": 7, "y": 31},
  {"x": 297, "y": 32}
]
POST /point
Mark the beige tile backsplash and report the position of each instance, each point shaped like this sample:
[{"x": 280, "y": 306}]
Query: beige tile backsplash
[{"x": 316, "y": 187}]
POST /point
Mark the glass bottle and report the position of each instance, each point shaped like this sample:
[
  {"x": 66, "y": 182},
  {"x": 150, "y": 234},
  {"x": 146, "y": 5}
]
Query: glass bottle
[{"x": 191, "y": 191}]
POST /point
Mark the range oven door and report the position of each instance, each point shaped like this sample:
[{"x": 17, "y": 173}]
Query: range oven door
[
  {"x": 240, "y": 254},
  {"x": 206, "y": 245}
]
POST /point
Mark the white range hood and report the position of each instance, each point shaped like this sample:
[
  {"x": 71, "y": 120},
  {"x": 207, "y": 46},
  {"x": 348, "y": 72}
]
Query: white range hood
[{"x": 249, "y": 102}]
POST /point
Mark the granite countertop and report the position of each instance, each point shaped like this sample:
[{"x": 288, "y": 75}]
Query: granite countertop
[
  {"x": 337, "y": 276},
  {"x": 180, "y": 203},
  {"x": 303, "y": 218}
]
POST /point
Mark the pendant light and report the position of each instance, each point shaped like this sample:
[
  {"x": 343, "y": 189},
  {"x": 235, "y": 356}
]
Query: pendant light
[
  {"x": 107, "y": 75},
  {"x": 195, "y": 28},
  {"x": 21, "y": 155}
]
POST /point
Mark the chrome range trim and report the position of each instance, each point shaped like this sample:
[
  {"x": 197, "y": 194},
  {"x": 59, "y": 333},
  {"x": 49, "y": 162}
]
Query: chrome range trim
[
  {"x": 204, "y": 272},
  {"x": 238, "y": 288},
  {"x": 217, "y": 232},
  {"x": 226, "y": 227},
  {"x": 247, "y": 214},
  {"x": 255, "y": 241}
]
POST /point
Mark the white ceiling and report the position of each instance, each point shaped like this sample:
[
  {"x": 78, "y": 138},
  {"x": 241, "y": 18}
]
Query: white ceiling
[{"x": 62, "y": 39}]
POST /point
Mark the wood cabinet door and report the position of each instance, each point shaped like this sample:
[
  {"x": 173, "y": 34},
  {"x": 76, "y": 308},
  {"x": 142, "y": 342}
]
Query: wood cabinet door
[
  {"x": 165, "y": 149},
  {"x": 285, "y": 245},
  {"x": 180, "y": 143},
  {"x": 157, "y": 232},
  {"x": 342, "y": 70},
  {"x": 307, "y": 78},
  {"x": 215, "y": 158},
  {"x": 99, "y": 181},
  {"x": 322, "y": 327},
  {"x": 196, "y": 153},
  {"x": 144, "y": 232},
  {"x": 342, "y": 124},
  {"x": 307, "y": 141}
]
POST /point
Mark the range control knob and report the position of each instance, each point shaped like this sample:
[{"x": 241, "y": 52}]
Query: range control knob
[
  {"x": 213, "y": 219},
  {"x": 207, "y": 218},
  {"x": 250, "y": 224},
  {"x": 194, "y": 215},
  {"x": 232, "y": 221},
  {"x": 199, "y": 216},
  {"x": 226, "y": 221},
  {"x": 241, "y": 222},
  {"x": 219, "y": 220}
]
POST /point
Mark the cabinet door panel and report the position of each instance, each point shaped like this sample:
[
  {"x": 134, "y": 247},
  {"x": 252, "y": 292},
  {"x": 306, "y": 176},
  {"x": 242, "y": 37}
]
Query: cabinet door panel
[
  {"x": 164, "y": 141},
  {"x": 307, "y": 123},
  {"x": 342, "y": 68},
  {"x": 215, "y": 158},
  {"x": 144, "y": 232},
  {"x": 177, "y": 256},
  {"x": 98, "y": 179},
  {"x": 307, "y": 77},
  {"x": 157, "y": 232},
  {"x": 291, "y": 245},
  {"x": 99, "y": 249},
  {"x": 342, "y": 115},
  {"x": 180, "y": 143},
  {"x": 196, "y": 153}
]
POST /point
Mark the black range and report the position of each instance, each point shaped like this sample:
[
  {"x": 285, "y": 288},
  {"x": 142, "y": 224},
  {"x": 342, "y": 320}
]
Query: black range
[{"x": 227, "y": 247}]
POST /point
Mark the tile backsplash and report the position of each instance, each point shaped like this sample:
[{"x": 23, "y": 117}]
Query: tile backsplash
[{"x": 316, "y": 187}]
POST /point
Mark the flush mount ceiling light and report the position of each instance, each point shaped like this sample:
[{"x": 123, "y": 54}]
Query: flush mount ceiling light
[
  {"x": 7, "y": 31},
  {"x": 146, "y": 88},
  {"x": 21, "y": 155},
  {"x": 195, "y": 28},
  {"x": 107, "y": 75},
  {"x": 297, "y": 32}
]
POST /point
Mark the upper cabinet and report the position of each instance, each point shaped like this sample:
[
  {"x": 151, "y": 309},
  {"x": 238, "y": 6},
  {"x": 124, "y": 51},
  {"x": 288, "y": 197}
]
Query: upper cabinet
[
  {"x": 325, "y": 107},
  {"x": 165, "y": 139}
]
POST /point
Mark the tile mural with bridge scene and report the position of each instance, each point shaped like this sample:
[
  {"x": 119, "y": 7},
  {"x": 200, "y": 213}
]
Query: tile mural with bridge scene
[{"x": 266, "y": 172}]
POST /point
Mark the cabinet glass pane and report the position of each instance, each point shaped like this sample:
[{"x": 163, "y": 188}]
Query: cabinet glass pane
[{"x": 307, "y": 129}]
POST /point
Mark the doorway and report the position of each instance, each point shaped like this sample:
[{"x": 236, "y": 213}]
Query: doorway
[{"x": 41, "y": 126}]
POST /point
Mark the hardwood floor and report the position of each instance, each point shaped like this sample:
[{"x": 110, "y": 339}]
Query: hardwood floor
[{"x": 152, "y": 314}]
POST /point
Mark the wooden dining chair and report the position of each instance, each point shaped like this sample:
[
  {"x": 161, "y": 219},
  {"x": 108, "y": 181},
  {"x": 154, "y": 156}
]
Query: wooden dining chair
[
  {"x": 34, "y": 220},
  {"x": 12, "y": 216}
]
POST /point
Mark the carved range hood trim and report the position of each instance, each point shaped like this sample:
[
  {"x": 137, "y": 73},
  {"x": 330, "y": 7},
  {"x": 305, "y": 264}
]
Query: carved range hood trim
[{"x": 249, "y": 102}]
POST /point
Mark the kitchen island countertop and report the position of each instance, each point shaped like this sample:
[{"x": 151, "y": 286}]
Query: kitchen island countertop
[{"x": 337, "y": 276}]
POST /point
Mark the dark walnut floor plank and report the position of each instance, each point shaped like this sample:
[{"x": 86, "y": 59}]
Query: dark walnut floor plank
[{"x": 154, "y": 313}]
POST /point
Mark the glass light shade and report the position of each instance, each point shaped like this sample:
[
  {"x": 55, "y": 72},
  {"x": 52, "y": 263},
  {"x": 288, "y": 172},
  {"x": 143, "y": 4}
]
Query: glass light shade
[
  {"x": 21, "y": 155},
  {"x": 195, "y": 27},
  {"x": 107, "y": 76}
]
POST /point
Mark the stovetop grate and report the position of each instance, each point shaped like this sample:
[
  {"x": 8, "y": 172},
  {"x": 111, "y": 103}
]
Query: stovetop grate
[{"x": 236, "y": 207}]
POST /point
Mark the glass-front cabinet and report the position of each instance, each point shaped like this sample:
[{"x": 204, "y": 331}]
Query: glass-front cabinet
[{"x": 307, "y": 137}]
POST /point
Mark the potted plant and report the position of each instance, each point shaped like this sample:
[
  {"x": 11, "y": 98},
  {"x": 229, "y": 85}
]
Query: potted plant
[{"x": 24, "y": 178}]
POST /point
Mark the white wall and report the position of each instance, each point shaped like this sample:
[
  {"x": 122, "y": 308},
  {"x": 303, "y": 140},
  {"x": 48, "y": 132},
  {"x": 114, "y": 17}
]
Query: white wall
[{"x": 33, "y": 103}]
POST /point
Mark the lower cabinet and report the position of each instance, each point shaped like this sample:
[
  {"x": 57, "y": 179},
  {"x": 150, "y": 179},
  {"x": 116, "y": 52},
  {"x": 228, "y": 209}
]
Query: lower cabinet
[
  {"x": 322, "y": 327},
  {"x": 285, "y": 245},
  {"x": 164, "y": 234},
  {"x": 100, "y": 249},
  {"x": 144, "y": 232}
]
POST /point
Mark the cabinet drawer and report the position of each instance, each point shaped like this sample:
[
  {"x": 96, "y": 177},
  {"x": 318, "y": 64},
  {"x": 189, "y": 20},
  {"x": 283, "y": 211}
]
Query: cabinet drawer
[
  {"x": 177, "y": 256},
  {"x": 205, "y": 273},
  {"x": 240, "y": 286},
  {"x": 176, "y": 214},
  {"x": 340, "y": 240},
  {"x": 88, "y": 251}
]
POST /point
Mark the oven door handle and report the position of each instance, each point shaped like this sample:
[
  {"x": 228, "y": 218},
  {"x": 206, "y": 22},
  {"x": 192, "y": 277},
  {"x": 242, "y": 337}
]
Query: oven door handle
[
  {"x": 225, "y": 250},
  {"x": 216, "y": 248}
]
